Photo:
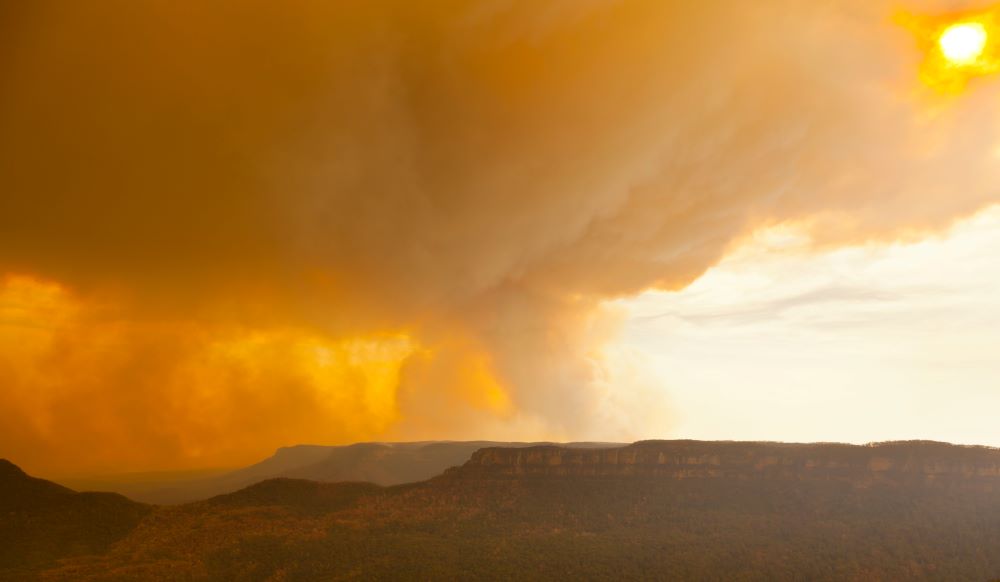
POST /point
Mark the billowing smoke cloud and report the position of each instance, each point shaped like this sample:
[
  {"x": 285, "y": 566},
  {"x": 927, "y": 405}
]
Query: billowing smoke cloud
[{"x": 472, "y": 177}]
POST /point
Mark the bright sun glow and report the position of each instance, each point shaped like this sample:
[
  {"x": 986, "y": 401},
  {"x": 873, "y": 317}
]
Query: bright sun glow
[
  {"x": 963, "y": 44},
  {"x": 958, "y": 48}
]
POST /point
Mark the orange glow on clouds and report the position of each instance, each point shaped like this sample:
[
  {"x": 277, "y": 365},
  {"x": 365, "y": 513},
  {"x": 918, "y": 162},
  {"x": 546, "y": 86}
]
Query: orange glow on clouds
[{"x": 86, "y": 388}]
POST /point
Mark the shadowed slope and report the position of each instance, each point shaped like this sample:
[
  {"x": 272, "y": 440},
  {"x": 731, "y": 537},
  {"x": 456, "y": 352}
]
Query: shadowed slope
[{"x": 42, "y": 521}]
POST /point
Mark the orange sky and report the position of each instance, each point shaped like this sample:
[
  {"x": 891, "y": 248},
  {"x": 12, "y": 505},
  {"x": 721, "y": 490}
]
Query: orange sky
[{"x": 233, "y": 226}]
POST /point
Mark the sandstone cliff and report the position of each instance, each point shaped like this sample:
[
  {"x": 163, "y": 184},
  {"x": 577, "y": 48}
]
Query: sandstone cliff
[{"x": 896, "y": 462}]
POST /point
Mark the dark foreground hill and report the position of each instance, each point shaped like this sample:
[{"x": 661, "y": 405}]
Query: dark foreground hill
[
  {"x": 379, "y": 463},
  {"x": 41, "y": 521},
  {"x": 677, "y": 510}
]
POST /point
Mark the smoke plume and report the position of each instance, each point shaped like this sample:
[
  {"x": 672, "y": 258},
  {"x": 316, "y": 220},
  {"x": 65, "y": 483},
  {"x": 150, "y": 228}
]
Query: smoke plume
[{"x": 233, "y": 225}]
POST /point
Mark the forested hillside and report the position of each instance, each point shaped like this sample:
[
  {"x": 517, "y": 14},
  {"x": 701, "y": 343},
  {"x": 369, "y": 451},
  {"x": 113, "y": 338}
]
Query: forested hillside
[{"x": 653, "y": 510}]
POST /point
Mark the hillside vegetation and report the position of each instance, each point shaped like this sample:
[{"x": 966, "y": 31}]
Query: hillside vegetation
[{"x": 655, "y": 510}]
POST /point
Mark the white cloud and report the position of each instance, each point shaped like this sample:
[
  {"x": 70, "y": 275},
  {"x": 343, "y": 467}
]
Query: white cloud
[{"x": 862, "y": 343}]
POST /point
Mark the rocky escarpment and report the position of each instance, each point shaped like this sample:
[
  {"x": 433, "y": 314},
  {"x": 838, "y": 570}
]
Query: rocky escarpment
[{"x": 896, "y": 462}]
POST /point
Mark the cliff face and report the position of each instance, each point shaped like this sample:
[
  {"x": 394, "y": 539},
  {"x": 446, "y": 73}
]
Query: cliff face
[
  {"x": 898, "y": 462},
  {"x": 678, "y": 510},
  {"x": 386, "y": 464}
]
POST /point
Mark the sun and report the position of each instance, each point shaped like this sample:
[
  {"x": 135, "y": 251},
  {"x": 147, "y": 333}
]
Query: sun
[
  {"x": 957, "y": 48},
  {"x": 963, "y": 43}
]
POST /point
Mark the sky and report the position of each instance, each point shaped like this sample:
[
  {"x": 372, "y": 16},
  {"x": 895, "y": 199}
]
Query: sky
[
  {"x": 232, "y": 226},
  {"x": 858, "y": 344}
]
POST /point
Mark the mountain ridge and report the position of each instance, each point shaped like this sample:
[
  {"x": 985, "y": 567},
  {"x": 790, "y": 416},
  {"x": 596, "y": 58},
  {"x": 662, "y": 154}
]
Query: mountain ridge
[
  {"x": 382, "y": 463},
  {"x": 930, "y": 461},
  {"x": 684, "y": 510}
]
